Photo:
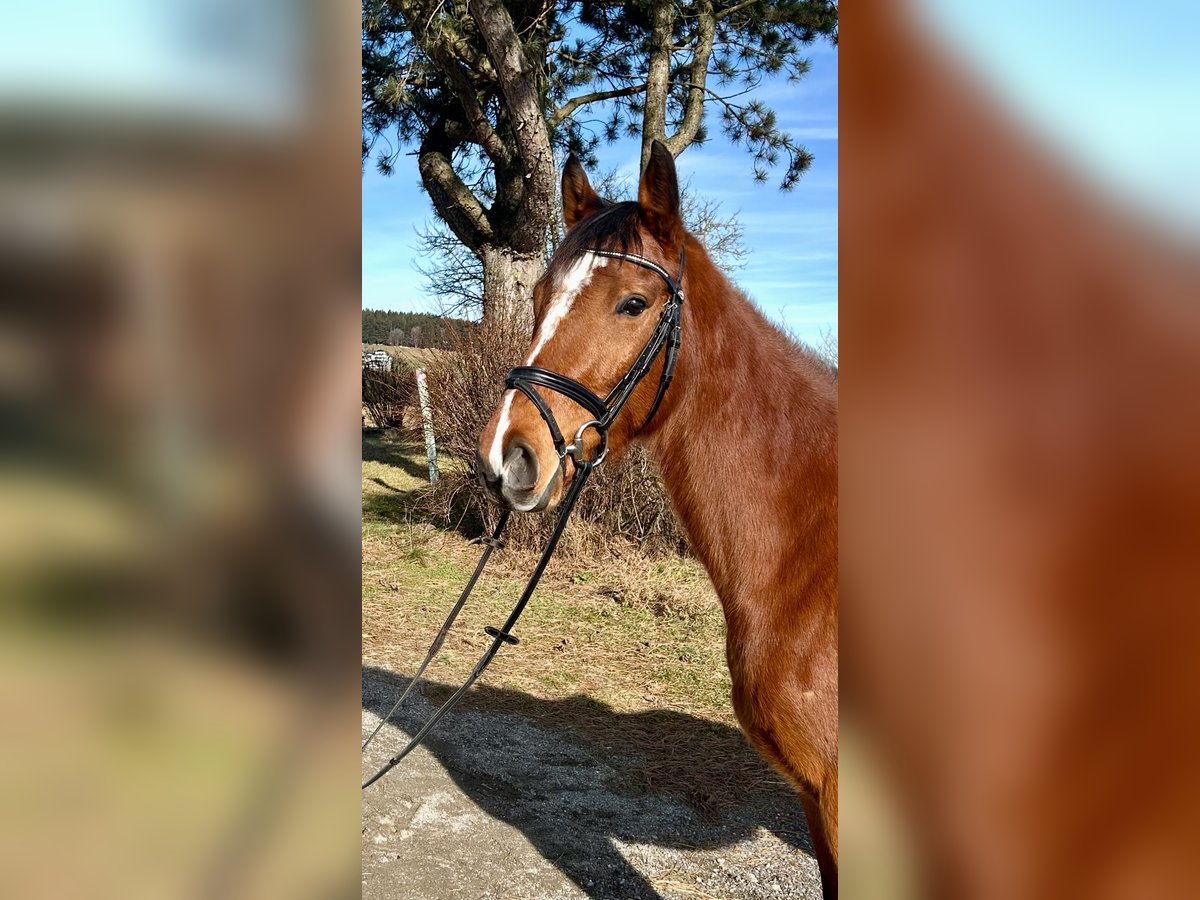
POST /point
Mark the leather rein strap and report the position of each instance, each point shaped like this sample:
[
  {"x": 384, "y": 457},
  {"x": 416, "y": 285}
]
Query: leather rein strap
[{"x": 604, "y": 412}]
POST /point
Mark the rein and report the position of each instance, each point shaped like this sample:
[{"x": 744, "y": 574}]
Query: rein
[{"x": 527, "y": 380}]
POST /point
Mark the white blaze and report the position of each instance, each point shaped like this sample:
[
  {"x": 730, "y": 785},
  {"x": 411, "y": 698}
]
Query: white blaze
[{"x": 574, "y": 280}]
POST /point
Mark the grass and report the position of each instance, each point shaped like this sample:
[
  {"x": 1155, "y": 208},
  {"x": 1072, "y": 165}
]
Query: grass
[{"x": 632, "y": 633}]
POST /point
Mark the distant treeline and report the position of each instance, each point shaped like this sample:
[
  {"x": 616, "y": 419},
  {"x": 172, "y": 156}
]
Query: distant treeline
[{"x": 410, "y": 329}]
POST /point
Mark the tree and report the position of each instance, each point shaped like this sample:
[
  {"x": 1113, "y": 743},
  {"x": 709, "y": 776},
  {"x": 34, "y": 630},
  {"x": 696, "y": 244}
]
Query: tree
[
  {"x": 829, "y": 347},
  {"x": 454, "y": 275},
  {"x": 487, "y": 91},
  {"x": 397, "y": 328},
  {"x": 386, "y": 394}
]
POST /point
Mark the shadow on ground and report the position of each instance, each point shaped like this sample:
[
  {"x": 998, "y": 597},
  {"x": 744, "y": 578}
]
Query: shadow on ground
[
  {"x": 393, "y": 448},
  {"x": 577, "y": 779},
  {"x": 404, "y": 504}
]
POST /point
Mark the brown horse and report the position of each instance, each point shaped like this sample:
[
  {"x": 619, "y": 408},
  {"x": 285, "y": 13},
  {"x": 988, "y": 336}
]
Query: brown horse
[{"x": 745, "y": 439}]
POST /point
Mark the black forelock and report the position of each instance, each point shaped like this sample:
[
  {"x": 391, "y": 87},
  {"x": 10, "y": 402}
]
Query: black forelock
[{"x": 615, "y": 227}]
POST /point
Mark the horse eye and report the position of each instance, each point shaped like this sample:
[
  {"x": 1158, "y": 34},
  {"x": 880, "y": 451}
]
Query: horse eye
[{"x": 632, "y": 306}]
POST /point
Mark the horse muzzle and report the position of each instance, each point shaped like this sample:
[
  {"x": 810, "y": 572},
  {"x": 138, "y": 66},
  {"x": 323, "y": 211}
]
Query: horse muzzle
[{"x": 516, "y": 485}]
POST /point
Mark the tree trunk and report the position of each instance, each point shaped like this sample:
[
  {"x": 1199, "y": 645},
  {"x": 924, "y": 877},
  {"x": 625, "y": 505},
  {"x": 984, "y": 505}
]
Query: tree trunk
[
  {"x": 654, "y": 120},
  {"x": 508, "y": 280}
]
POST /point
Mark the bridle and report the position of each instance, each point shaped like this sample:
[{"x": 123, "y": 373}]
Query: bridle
[{"x": 527, "y": 380}]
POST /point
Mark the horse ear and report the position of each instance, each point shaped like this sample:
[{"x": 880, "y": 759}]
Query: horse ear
[
  {"x": 578, "y": 199},
  {"x": 658, "y": 195}
]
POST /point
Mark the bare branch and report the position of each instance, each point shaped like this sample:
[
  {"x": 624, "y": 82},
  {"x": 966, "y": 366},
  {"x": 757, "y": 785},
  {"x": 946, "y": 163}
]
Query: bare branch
[
  {"x": 736, "y": 8},
  {"x": 521, "y": 87},
  {"x": 446, "y": 49},
  {"x": 481, "y": 127},
  {"x": 654, "y": 124},
  {"x": 454, "y": 201},
  {"x": 693, "y": 113},
  {"x": 575, "y": 102}
]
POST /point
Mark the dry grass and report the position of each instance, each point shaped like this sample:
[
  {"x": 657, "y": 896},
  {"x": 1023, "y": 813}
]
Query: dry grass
[
  {"x": 635, "y": 633},
  {"x": 621, "y": 633},
  {"x": 415, "y": 357}
]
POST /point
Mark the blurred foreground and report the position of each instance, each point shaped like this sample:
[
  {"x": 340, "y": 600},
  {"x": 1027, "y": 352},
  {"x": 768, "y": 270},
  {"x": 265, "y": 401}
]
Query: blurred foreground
[
  {"x": 178, "y": 497},
  {"x": 1020, "y": 494}
]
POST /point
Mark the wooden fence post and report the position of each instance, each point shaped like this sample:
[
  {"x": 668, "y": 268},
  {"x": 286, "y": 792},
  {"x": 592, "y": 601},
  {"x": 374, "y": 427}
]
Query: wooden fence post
[{"x": 427, "y": 421}]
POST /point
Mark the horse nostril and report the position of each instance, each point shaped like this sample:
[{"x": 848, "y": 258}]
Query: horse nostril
[
  {"x": 484, "y": 472},
  {"x": 520, "y": 467}
]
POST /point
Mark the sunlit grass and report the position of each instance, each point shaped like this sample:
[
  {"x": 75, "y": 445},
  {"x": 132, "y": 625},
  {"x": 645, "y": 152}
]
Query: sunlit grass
[{"x": 632, "y": 633}]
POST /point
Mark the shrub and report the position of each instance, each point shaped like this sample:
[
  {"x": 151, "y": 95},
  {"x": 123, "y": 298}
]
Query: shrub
[
  {"x": 624, "y": 503},
  {"x": 386, "y": 394}
]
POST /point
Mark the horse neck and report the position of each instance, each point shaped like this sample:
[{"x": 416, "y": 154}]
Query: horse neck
[{"x": 747, "y": 445}]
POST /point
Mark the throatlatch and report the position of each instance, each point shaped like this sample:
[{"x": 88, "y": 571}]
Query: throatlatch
[{"x": 527, "y": 380}]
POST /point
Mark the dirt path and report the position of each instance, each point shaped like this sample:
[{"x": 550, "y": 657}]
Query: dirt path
[{"x": 516, "y": 797}]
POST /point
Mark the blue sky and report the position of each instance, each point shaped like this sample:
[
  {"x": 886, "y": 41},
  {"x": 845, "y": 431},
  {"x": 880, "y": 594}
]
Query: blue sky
[{"x": 791, "y": 268}]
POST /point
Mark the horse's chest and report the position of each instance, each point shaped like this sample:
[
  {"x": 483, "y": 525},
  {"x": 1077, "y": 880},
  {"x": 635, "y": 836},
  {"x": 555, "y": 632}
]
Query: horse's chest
[{"x": 776, "y": 680}]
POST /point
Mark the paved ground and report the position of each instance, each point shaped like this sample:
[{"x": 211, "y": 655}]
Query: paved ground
[{"x": 516, "y": 797}]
